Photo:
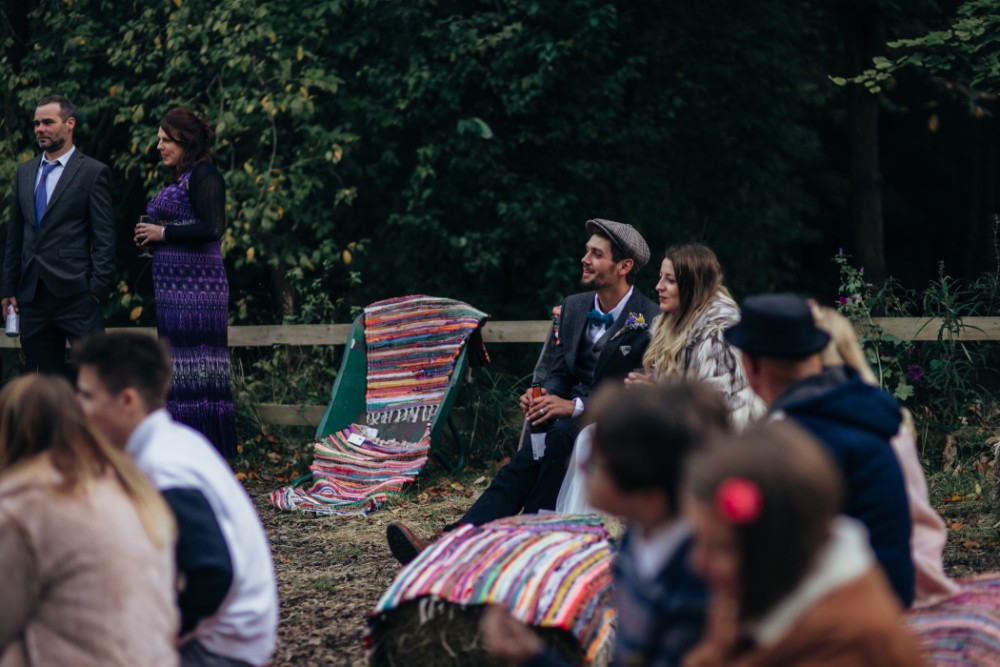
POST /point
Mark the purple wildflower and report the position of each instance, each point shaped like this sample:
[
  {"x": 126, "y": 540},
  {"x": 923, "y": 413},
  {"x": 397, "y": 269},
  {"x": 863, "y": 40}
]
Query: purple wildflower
[
  {"x": 915, "y": 372},
  {"x": 843, "y": 301},
  {"x": 854, "y": 298},
  {"x": 840, "y": 251}
]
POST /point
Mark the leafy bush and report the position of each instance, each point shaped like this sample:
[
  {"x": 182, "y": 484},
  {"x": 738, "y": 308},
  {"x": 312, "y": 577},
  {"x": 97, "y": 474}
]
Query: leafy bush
[{"x": 949, "y": 383}]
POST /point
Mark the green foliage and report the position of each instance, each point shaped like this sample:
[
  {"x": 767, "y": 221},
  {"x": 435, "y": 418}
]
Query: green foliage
[
  {"x": 491, "y": 418},
  {"x": 252, "y": 69},
  {"x": 446, "y": 147},
  {"x": 859, "y": 300},
  {"x": 949, "y": 383},
  {"x": 965, "y": 56}
]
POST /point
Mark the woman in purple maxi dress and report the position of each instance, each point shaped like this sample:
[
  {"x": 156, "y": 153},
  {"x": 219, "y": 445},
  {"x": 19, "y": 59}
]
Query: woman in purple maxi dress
[{"x": 189, "y": 278}]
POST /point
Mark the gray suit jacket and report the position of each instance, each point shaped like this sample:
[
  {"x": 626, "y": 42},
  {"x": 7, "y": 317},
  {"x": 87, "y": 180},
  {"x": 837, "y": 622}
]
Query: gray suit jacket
[
  {"x": 73, "y": 251},
  {"x": 622, "y": 353}
]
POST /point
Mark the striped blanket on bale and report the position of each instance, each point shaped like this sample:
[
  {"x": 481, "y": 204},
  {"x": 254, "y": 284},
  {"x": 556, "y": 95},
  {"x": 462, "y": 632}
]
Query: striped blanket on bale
[
  {"x": 962, "y": 631},
  {"x": 411, "y": 344},
  {"x": 552, "y": 571}
]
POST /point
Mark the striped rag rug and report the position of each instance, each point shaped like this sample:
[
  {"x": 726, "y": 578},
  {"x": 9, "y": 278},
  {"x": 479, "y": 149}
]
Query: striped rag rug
[
  {"x": 964, "y": 630},
  {"x": 549, "y": 570},
  {"x": 411, "y": 344}
]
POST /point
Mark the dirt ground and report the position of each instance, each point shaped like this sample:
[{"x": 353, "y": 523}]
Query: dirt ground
[{"x": 332, "y": 570}]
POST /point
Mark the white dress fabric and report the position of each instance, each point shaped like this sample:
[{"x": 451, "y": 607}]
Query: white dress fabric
[{"x": 573, "y": 492}]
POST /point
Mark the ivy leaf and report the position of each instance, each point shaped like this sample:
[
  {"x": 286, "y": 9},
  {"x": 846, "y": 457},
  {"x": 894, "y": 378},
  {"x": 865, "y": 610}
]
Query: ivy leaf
[{"x": 475, "y": 126}]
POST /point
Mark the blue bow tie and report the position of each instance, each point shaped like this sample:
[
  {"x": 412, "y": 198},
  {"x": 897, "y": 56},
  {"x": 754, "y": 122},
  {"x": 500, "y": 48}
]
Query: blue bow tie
[{"x": 601, "y": 319}]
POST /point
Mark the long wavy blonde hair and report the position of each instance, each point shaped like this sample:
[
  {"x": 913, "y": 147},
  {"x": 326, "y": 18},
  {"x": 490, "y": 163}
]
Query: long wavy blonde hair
[
  {"x": 699, "y": 280},
  {"x": 40, "y": 414}
]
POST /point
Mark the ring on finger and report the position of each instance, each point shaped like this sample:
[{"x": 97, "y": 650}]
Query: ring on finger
[{"x": 541, "y": 411}]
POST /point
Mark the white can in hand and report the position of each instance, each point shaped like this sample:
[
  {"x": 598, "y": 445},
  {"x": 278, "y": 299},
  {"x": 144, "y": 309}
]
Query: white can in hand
[{"x": 13, "y": 322}]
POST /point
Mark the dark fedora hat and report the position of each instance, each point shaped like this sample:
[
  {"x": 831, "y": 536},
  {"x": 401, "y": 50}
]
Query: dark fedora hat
[{"x": 777, "y": 325}]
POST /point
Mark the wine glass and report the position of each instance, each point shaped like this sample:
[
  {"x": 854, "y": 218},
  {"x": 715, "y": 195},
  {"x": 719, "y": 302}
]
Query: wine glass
[{"x": 146, "y": 251}]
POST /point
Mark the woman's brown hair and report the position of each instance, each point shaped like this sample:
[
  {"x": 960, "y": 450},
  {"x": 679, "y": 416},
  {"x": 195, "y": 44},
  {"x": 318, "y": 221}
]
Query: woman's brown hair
[
  {"x": 699, "y": 279},
  {"x": 800, "y": 490},
  {"x": 40, "y": 414},
  {"x": 192, "y": 133}
]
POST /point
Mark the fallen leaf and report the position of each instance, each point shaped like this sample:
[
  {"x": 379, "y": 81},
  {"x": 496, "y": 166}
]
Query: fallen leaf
[
  {"x": 480, "y": 480},
  {"x": 957, "y": 526}
]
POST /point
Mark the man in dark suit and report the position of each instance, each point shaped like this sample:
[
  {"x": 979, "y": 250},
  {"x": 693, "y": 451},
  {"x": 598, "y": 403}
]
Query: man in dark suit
[
  {"x": 60, "y": 249},
  {"x": 602, "y": 335}
]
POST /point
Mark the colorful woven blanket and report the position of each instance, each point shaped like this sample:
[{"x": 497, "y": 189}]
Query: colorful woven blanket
[
  {"x": 550, "y": 571},
  {"x": 349, "y": 478},
  {"x": 962, "y": 631},
  {"x": 412, "y": 344}
]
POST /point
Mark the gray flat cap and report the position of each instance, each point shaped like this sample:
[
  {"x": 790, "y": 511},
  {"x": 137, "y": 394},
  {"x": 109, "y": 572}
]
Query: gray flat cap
[{"x": 625, "y": 236}]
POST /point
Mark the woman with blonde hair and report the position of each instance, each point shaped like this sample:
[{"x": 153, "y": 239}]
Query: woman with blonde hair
[
  {"x": 86, "y": 543},
  {"x": 929, "y": 531},
  {"x": 955, "y": 622},
  {"x": 695, "y": 310}
]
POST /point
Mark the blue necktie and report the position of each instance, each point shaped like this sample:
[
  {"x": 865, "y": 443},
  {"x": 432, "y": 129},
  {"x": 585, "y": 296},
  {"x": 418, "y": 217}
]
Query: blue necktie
[
  {"x": 600, "y": 319},
  {"x": 42, "y": 192}
]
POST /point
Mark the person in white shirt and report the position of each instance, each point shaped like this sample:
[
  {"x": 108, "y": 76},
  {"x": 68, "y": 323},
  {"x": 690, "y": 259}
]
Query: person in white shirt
[{"x": 228, "y": 602}]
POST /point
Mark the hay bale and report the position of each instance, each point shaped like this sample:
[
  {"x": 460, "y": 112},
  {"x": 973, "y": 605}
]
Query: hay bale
[
  {"x": 436, "y": 633},
  {"x": 551, "y": 572}
]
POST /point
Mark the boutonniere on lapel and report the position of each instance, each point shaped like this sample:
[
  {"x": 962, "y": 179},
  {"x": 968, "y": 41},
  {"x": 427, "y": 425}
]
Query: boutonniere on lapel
[
  {"x": 635, "y": 322},
  {"x": 556, "y": 314}
]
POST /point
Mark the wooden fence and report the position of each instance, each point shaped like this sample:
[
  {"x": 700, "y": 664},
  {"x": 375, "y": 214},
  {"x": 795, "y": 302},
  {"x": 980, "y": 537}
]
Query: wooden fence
[{"x": 509, "y": 331}]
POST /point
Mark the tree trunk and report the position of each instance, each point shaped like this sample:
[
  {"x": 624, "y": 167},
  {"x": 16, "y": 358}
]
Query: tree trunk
[{"x": 865, "y": 39}]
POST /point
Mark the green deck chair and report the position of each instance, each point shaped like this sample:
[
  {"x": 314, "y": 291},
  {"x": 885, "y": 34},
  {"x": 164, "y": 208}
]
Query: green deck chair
[{"x": 347, "y": 402}]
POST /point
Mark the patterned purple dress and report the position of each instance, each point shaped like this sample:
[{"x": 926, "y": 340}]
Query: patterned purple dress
[{"x": 192, "y": 314}]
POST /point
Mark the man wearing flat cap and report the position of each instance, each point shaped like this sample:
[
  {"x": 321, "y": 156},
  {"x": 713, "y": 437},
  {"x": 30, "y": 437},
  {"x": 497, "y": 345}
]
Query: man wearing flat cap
[
  {"x": 602, "y": 335},
  {"x": 782, "y": 351}
]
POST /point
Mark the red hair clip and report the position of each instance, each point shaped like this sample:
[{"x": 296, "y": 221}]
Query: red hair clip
[{"x": 738, "y": 500}]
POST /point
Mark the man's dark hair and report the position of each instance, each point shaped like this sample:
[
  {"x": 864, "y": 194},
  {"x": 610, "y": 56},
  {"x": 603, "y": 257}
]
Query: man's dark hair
[
  {"x": 644, "y": 434},
  {"x": 124, "y": 360},
  {"x": 618, "y": 254},
  {"x": 67, "y": 109}
]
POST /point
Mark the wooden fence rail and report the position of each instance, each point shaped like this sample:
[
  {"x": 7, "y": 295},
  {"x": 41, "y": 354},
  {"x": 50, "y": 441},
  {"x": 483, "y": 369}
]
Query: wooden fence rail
[{"x": 508, "y": 331}]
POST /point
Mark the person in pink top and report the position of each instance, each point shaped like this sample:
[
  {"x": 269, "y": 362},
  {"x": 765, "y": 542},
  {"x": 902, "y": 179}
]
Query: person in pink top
[
  {"x": 929, "y": 531},
  {"x": 955, "y": 622}
]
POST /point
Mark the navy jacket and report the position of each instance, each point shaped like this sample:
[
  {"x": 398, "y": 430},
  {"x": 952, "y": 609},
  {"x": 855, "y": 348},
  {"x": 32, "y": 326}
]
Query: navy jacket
[{"x": 856, "y": 421}]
